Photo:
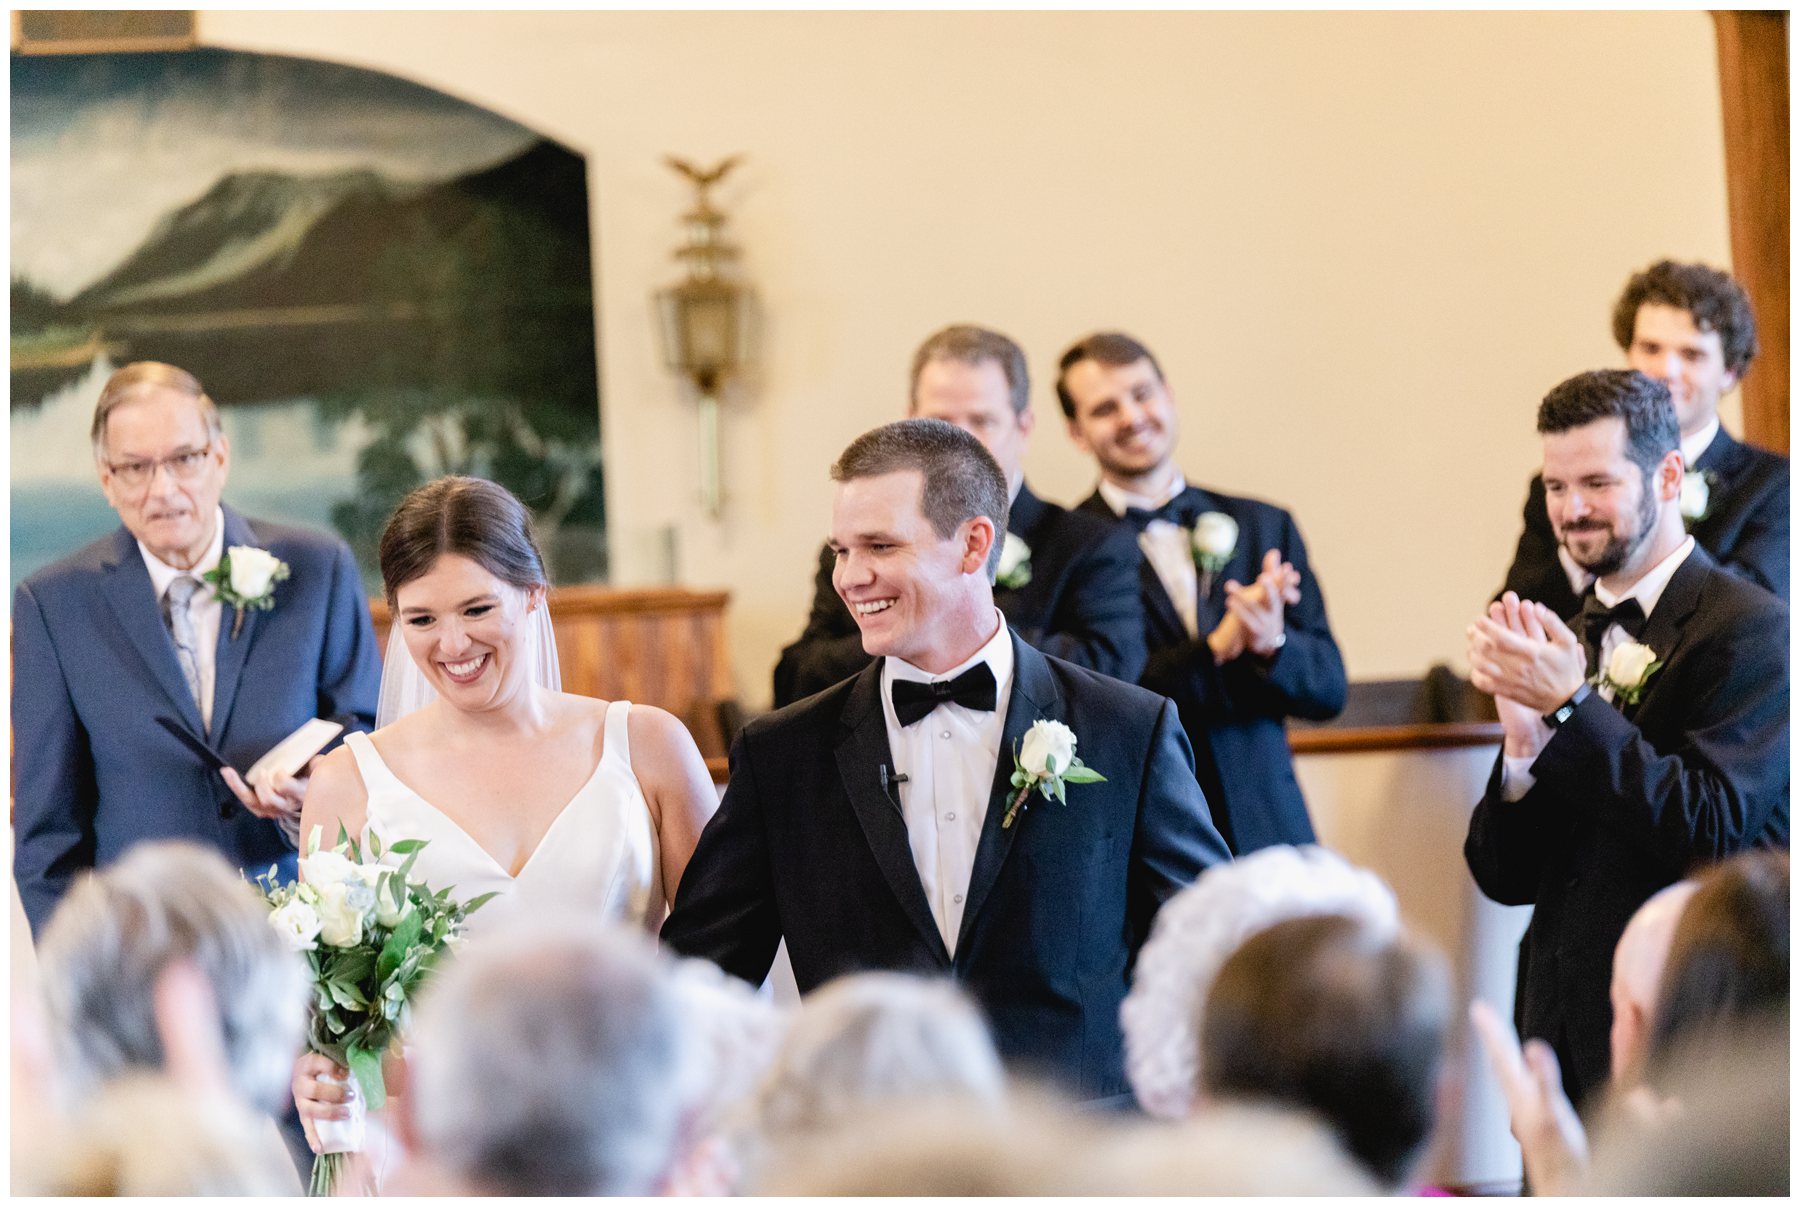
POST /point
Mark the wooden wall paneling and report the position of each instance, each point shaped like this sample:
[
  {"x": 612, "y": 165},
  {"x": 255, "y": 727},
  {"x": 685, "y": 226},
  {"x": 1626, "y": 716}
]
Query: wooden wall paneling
[{"x": 1753, "y": 88}]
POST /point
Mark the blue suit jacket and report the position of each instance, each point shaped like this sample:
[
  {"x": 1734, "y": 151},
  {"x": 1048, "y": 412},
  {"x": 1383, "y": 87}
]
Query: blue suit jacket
[
  {"x": 1236, "y": 714},
  {"x": 93, "y": 666},
  {"x": 808, "y": 846}
]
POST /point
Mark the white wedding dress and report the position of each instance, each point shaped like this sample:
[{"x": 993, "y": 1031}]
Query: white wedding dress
[{"x": 599, "y": 859}]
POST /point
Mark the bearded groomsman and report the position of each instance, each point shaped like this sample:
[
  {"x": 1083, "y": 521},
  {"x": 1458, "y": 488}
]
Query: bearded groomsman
[
  {"x": 1652, "y": 739},
  {"x": 1689, "y": 327},
  {"x": 155, "y": 664},
  {"x": 1066, "y": 581},
  {"x": 903, "y": 818},
  {"x": 1233, "y": 614}
]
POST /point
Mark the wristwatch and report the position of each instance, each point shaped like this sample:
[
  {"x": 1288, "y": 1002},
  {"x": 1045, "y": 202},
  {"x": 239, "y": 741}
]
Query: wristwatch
[{"x": 1562, "y": 712}]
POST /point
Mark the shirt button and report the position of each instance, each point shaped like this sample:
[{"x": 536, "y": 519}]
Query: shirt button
[
  {"x": 949, "y": 817},
  {"x": 944, "y": 734},
  {"x": 957, "y": 898}
]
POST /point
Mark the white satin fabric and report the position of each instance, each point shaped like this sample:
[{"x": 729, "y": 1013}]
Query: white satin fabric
[{"x": 599, "y": 857}]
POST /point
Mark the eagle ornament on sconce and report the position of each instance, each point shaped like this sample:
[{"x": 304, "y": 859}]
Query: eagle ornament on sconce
[{"x": 708, "y": 321}]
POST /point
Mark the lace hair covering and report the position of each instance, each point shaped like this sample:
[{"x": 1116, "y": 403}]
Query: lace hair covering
[{"x": 1199, "y": 928}]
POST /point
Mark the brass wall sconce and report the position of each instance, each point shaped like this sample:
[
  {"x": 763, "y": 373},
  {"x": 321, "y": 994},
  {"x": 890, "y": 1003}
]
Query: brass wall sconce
[{"x": 707, "y": 322}]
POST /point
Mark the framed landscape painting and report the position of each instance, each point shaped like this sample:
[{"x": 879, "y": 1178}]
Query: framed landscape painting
[{"x": 376, "y": 282}]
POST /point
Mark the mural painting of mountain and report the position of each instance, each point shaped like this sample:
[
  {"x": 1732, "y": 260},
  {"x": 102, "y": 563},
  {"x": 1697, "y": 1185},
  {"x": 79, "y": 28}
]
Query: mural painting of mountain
[{"x": 378, "y": 284}]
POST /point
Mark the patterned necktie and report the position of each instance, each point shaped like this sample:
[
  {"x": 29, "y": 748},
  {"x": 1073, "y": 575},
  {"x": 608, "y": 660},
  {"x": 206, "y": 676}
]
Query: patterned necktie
[
  {"x": 1596, "y": 618},
  {"x": 179, "y": 616},
  {"x": 974, "y": 688}
]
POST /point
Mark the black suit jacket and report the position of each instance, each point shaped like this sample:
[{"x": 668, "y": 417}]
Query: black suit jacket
[
  {"x": 1745, "y": 527},
  {"x": 1236, "y": 714},
  {"x": 808, "y": 846},
  {"x": 1081, "y": 604},
  {"x": 1628, "y": 800}
]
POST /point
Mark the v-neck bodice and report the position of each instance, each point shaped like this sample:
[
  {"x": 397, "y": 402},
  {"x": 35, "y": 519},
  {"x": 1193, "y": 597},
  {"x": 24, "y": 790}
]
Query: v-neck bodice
[{"x": 599, "y": 857}]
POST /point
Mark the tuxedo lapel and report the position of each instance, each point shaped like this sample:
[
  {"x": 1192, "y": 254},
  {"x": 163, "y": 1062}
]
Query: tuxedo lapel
[
  {"x": 1033, "y": 698},
  {"x": 132, "y": 598},
  {"x": 1667, "y": 625},
  {"x": 228, "y": 659},
  {"x": 862, "y": 752}
]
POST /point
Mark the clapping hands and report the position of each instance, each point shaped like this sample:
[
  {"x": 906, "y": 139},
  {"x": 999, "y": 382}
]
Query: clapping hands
[
  {"x": 1523, "y": 655},
  {"x": 1255, "y": 616}
]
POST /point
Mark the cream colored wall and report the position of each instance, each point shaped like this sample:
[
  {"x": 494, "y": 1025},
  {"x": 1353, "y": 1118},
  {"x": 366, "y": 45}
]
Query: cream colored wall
[{"x": 1362, "y": 245}]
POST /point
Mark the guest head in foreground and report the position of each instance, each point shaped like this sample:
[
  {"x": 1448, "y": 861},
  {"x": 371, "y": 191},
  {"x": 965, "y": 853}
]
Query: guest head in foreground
[
  {"x": 877, "y": 1037},
  {"x": 916, "y": 530},
  {"x": 1330, "y": 1016},
  {"x": 1637, "y": 972},
  {"x": 1728, "y": 954},
  {"x": 118, "y": 931},
  {"x": 1690, "y": 327},
  {"x": 548, "y": 1060}
]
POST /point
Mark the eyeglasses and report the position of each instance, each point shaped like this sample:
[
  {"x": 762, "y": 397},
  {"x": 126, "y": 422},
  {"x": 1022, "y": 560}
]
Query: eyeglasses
[{"x": 184, "y": 466}]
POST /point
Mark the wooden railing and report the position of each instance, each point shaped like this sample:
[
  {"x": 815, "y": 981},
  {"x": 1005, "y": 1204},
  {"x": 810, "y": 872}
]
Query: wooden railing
[{"x": 663, "y": 646}]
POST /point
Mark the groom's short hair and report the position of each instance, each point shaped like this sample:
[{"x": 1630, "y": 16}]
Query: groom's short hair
[{"x": 962, "y": 479}]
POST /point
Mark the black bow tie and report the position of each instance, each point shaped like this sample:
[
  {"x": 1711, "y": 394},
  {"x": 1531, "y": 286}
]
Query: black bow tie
[
  {"x": 1596, "y": 618},
  {"x": 1178, "y": 511},
  {"x": 974, "y": 688}
]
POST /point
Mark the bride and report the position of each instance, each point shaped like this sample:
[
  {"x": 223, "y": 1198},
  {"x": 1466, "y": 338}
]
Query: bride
[{"x": 518, "y": 786}]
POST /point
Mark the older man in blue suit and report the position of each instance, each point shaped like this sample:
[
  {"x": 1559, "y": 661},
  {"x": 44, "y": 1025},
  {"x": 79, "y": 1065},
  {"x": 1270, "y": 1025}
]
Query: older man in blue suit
[{"x": 142, "y": 686}]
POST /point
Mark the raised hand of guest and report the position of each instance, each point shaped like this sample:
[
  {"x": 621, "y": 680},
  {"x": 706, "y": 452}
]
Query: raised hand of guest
[{"x": 1544, "y": 1121}]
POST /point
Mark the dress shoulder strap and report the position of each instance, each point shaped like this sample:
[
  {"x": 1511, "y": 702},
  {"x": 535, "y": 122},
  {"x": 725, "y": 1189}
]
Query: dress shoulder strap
[
  {"x": 618, "y": 732},
  {"x": 375, "y": 774}
]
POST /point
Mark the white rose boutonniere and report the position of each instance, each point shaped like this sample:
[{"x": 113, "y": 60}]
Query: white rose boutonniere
[
  {"x": 1696, "y": 495},
  {"x": 1046, "y": 761},
  {"x": 1215, "y": 540},
  {"x": 1628, "y": 668},
  {"x": 1015, "y": 563},
  {"x": 245, "y": 578}
]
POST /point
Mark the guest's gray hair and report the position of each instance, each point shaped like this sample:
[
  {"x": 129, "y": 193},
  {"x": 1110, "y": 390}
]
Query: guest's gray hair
[
  {"x": 139, "y": 378},
  {"x": 120, "y": 927},
  {"x": 547, "y": 1060},
  {"x": 876, "y": 1037}
]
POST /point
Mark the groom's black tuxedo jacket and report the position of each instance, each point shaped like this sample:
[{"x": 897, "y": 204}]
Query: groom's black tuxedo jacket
[
  {"x": 1236, "y": 714},
  {"x": 1081, "y": 603},
  {"x": 808, "y": 846},
  {"x": 1745, "y": 527},
  {"x": 1627, "y": 800}
]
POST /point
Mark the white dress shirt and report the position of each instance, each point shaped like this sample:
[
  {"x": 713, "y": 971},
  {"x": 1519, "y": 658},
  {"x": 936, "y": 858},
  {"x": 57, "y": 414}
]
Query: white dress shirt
[
  {"x": 204, "y": 606},
  {"x": 1692, "y": 448},
  {"x": 1517, "y": 778},
  {"x": 1169, "y": 548},
  {"x": 948, "y": 758}
]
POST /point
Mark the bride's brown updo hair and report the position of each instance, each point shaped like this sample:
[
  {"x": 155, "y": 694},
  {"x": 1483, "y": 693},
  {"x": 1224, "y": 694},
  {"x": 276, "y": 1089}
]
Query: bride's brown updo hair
[{"x": 473, "y": 517}]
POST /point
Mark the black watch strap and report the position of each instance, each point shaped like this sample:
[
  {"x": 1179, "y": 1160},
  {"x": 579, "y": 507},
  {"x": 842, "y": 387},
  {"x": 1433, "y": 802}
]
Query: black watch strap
[{"x": 1562, "y": 712}]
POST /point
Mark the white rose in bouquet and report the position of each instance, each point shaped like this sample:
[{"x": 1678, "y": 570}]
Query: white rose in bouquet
[
  {"x": 387, "y": 884},
  {"x": 322, "y": 869},
  {"x": 298, "y": 924},
  {"x": 1048, "y": 749},
  {"x": 1629, "y": 665},
  {"x": 342, "y": 908},
  {"x": 252, "y": 570}
]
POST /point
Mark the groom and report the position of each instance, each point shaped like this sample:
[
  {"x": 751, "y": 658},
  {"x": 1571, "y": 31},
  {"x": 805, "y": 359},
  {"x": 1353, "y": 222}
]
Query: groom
[{"x": 868, "y": 824}]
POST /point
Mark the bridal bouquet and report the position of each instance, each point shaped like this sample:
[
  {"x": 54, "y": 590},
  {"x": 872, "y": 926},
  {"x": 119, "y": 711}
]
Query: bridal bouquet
[{"x": 371, "y": 935}]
